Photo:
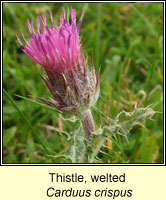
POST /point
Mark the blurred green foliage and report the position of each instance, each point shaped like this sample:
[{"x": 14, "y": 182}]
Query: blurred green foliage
[{"x": 126, "y": 39}]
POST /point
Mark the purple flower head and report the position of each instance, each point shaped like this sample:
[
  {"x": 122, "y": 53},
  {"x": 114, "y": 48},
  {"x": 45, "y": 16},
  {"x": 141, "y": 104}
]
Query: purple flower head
[{"x": 58, "y": 49}]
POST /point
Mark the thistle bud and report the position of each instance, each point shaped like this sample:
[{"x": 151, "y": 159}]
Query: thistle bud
[{"x": 74, "y": 86}]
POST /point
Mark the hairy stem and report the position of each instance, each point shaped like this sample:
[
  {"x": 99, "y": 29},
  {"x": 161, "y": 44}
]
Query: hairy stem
[{"x": 88, "y": 123}]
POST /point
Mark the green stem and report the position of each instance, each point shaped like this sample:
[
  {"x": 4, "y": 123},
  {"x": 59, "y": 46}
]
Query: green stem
[{"x": 88, "y": 123}]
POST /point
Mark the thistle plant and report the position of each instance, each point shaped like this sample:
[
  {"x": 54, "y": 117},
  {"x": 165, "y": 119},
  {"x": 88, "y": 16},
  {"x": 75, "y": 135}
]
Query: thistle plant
[{"x": 73, "y": 84}]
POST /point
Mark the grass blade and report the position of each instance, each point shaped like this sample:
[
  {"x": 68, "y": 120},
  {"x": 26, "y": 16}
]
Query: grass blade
[
  {"x": 27, "y": 122},
  {"x": 99, "y": 20},
  {"x": 45, "y": 106}
]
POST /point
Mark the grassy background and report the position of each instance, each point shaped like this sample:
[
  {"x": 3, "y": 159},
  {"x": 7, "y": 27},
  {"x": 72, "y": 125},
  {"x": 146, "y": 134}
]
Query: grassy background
[{"x": 127, "y": 40}]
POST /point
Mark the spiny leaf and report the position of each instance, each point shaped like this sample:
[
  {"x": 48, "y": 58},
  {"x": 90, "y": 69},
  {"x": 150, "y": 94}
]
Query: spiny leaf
[
  {"x": 125, "y": 121},
  {"x": 98, "y": 142}
]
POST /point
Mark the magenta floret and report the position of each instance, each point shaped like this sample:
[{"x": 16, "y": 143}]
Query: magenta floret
[{"x": 55, "y": 48}]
